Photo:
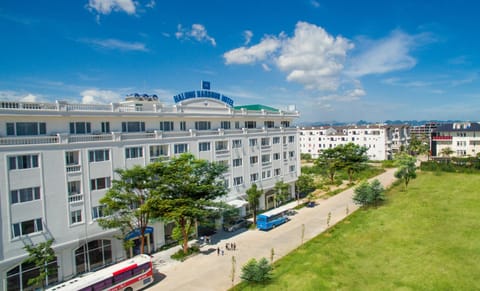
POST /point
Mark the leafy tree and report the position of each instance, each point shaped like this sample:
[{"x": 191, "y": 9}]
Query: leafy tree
[
  {"x": 406, "y": 168},
  {"x": 306, "y": 157},
  {"x": 185, "y": 190},
  {"x": 354, "y": 158},
  {"x": 369, "y": 193},
  {"x": 418, "y": 145},
  {"x": 446, "y": 152},
  {"x": 281, "y": 192},
  {"x": 126, "y": 204},
  {"x": 253, "y": 194},
  {"x": 41, "y": 255},
  {"x": 330, "y": 160},
  {"x": 256, "y": 272},
  {"x": 305, "y": 184}
]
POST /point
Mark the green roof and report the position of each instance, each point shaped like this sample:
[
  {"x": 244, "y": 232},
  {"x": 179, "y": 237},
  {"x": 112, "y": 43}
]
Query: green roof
[{"x": 256, "y": 107}]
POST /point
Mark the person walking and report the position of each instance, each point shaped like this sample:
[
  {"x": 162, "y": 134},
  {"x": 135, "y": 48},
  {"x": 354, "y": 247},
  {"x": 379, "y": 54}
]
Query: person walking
[{"x": 218, "y": 251}]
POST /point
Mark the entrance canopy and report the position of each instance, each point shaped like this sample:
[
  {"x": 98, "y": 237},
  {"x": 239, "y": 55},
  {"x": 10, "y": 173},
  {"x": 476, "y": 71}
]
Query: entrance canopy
[
  {"x": 136, "y": 233},
  {"x": 237, "y": 203}
]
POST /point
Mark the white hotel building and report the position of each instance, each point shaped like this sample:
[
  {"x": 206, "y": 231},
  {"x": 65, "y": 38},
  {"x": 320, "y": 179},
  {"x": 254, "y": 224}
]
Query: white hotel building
[
  {"x": 58, "y": 159},
  {"x": 382, "y": 141},
  {"x": 463, "y": 138}
]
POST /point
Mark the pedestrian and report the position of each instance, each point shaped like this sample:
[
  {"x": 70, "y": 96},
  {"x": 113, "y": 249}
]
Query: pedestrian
[
  {"x": 222, "y": 252},
  {"x": 218, "y": 251},
  {"x": 227, "y": 246},
  {"x": 234, "y": 246}
]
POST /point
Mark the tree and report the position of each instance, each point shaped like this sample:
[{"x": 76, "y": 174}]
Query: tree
[
  {"x": 369, "y": 193},
  {"x": 406, "y": 168},
  {"x": 418, "y": 145},
  {"x": 256, "y": 272},
  {"x": 253, "y": 194},
  {"x": 305, "y": 156},
  {"x": 281, "y": 192},
  {"x": 354, "y": 158},
  {"x": 185, "y": 190},
  {"x": 41, "y": 255},
  {"x": 126, "y": 204},
  {"x": 446, "y": 152},
  {"x": 304, "y": 185},
  {"x": 330, "y": 160}
]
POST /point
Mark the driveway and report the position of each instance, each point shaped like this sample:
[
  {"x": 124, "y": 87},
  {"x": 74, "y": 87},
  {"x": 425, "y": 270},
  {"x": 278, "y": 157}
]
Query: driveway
[{"x": 210, "y": 271}]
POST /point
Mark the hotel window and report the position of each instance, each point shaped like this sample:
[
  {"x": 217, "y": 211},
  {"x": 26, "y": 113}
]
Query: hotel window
[
  {"x": 221, "y": 145},
  {"x": 225, "y": 124},
  {"x": 202, "y": 125},
  {"x": 276, "y": 140},
  {"x": 98, "y": 212},
  {"x": 180, "y": 148},
  {"x": 291, "y": 139},
  {"x": 284, "y": 140},
  {"x": 23, "y": 162},
  {"x": 226, "y": 183},
  {"x": 253, "y": 142},
  {"x": 75, "y": 216},
  {"x": 166, "y": 125},
  {"x": 100, "y": 183},
  {"x": 18, "y": 276},
  {"x": 265, "y": 141},
  {"x": 183, "y": 126},
  {"x": 237, "y": 181},
  {"x": 276, "y": 172},
  {"x": 26, "y": 128},
  {"x": 74, "y": 188},
  {"x": 250, "y": 124},
  {"x": 254, "y": 177},
  {"x": 72, "y": 158},
  {"x": 134, "y": 152},
  {"x": 292, "y": 168},
  {"x": 285, "y": 123},
  {"x": 276, "y": 156},
  {"x": 106, "y": 127},
  {"x": 80, "y": 127},
  {"x": 158, "y": 151},
  {"x": 237, "y": 124},
  {"x": 269, "y": 123},
  {"x": 133, "y": 126},
  {"x": 265, "y": 159},
  {"x": 253, "y": 160},
  {"x": 99, "y": 155},
  {"x": 266, "y": 174},
  {"x": 204, "y": 147},
  {"x": 223, "y": 163},
  {"x": 27, "y": 227},
  {"x": 237, "y": 143},
  {"x": 237, "y": 163},
  {"x": 291, "y": 154},
  {"x": 24, "y": 195}
]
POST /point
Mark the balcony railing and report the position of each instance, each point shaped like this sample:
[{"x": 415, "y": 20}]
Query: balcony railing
[
  {"x": 73, "y": 168},
  {"x": 72, "y": 198},
  {"x": 442, "y": 138}
]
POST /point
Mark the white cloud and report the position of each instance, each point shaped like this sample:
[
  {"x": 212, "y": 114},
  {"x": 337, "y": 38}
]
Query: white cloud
[
  {"x": 94, "y": 96},
  {"x": 107, "y": 6},
  {"x": 386, "y": 55},
  {"x": 314, "y": 3},
  {"x": 266, "y": 67},
  {"x": 249, "y": 55},
  {"x": 348, "y": 95},
  {"x": 197, "y": 32},
  {"x": 115, "y": 44},
  {"x": 313, "y": 57},
  {"x": 20, "y": 96},
  {"x": 248, "y": 34},
  {"x": 151, "y": 4}
]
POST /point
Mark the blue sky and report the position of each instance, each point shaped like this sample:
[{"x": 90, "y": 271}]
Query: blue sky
[{"x": 334, "y": 60}]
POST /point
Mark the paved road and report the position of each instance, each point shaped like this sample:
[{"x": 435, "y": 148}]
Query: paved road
[{"x": 209, "y": 271}]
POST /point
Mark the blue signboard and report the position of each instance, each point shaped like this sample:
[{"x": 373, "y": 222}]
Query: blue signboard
[
  {"x": 202, "y": 94},
  {"x": 205, "y": 85}
]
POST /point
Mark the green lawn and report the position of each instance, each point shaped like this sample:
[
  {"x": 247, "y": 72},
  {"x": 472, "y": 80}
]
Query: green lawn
[{"x": 427, "y": 238}]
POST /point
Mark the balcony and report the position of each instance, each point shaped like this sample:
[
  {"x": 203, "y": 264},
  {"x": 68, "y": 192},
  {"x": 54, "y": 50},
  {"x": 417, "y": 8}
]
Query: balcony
[
  {"x": 442, "y": 138},
  {"x": 73, "y": 198},
  {"x": 73, "y": 168}
]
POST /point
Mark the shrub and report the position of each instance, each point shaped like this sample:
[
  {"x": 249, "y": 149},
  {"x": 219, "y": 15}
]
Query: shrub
[
  {"x": 256, "y": 272},
  {"x": 369, "y": 194}
]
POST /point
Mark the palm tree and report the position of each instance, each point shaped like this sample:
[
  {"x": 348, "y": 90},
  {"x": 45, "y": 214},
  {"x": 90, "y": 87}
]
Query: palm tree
[{"x": 253, "y": 194}]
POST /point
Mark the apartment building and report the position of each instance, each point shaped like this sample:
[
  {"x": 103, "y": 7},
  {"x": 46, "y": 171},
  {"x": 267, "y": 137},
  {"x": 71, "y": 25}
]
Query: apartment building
[
  {"x": 382, "y": 141},
  {"x": 58, "y": 159},
  {"x": 463, "y": 138}
]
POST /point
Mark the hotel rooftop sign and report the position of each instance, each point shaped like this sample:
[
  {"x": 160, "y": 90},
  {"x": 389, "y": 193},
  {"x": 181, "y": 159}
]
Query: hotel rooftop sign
[{"x": 203, "y": 94}]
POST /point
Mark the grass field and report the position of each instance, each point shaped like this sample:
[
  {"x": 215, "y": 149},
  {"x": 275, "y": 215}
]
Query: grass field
[{"x": 427, "y": 238}]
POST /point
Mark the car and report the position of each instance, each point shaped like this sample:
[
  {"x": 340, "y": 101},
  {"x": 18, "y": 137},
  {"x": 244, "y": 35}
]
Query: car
[
  {"x": 311, "y": 204},
  {"x": 236, "y": 224}
]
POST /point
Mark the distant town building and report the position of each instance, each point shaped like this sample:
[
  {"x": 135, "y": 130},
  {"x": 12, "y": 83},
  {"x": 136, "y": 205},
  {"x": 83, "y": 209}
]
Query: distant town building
[
  {"x": 58, "y": 159},
  {"x": 382, "y": 141},
  {"x": 463, "y": 138}
]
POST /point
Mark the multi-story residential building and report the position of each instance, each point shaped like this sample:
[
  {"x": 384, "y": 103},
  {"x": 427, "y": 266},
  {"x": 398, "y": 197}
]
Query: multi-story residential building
[
  {"x": 382, "y": 141},
  {"x": 58, "y": 159},
  {"x": 463, "y": 138}
]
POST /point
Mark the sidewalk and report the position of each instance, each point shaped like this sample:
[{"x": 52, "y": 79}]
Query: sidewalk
[{"x": 209, "y": 271}]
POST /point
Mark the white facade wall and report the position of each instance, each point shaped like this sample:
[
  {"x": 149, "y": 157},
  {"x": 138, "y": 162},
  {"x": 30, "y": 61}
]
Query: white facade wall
[
  {"x": 381, "y": 141},
  {"x": 53, "y": 176}
]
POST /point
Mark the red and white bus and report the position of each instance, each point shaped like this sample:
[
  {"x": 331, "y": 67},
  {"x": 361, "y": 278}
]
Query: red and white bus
[{"x": 130, "y": 275}]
